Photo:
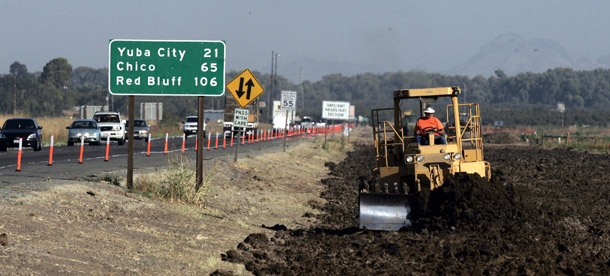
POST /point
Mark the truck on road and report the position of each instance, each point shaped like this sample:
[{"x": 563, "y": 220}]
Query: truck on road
[
  {"x": 229, "y": 115},
  {"x": 111, "y": 125},
  {"x": 190, "y": 126}
]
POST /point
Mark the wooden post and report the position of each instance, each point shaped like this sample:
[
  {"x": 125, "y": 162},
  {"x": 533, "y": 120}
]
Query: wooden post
[
  {"x": 237, "y": 148},
  {"x": 285, "y": 128},
  {"x": 325, "y": 126},
  {"x": 130, "y": 145},
  {"x": 200, "y": 137}
]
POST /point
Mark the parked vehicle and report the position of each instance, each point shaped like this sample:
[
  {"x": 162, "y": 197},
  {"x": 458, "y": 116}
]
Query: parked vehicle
[
  {"x": 279, "y": 122},
  {"x": 26, "y": 128},
  {"x": 87, "y": 128},
  {"x": 140, "y": 129},
  {"x": 111, "y": 125},
  {"x": 229, "y": 129}
]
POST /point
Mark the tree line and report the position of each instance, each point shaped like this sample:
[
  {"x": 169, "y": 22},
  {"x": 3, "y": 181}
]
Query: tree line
[{"x": 525, "y": 99}]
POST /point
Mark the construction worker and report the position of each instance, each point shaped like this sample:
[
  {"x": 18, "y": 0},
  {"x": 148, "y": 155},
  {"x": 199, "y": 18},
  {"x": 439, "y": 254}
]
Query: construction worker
[{"x": 428, "y": 124}]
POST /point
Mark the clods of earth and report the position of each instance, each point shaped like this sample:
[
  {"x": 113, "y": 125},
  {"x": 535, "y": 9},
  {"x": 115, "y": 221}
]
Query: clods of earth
[{"x": 544, "y": 212}]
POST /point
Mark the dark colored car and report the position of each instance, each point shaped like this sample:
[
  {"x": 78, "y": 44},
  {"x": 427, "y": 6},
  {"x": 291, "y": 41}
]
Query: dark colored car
[
  {"x": 140, "y": 129},
  {"x": 26, "y": 128}
]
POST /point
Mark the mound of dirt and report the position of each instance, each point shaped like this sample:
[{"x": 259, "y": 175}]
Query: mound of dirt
[{"x": 472, "y": 203}]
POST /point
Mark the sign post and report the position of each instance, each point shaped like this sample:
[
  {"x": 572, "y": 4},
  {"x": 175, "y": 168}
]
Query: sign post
[
  {"x": 288, "y": 103},
  {"x": 166, "y": 68},
  {"x": 240, "y": 119},
  {"x": 245, "y": 89}
]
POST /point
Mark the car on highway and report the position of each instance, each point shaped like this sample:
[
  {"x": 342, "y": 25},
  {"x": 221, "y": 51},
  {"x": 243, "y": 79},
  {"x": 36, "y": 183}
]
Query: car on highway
[
  {"x": 25, "y": 128},
  {"x": 140, "y": 129},
  {"x": 84, "y": 128},
  {"x": 307, "y": 122},
  {"x": 190, "y": 126}
]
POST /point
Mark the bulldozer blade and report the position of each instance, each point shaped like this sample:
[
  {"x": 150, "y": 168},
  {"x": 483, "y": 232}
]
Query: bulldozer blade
[{"x": 381, "y": 211}]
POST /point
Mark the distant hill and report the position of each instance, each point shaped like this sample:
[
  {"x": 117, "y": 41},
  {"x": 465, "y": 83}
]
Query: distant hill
[
  {"x": 509, "y": 52},
  {"x": 514, "y": 54},
  {"x": 306, "y": 68}
]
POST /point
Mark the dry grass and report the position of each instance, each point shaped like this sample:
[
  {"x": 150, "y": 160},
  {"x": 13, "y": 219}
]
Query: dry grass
[
  {"x": 176, "y": 183},
  {"x": 158, "y": 131}
]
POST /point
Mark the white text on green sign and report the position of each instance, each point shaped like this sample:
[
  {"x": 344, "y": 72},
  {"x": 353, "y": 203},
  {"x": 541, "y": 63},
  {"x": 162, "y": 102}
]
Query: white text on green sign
[{"x": 172, "y": 68}]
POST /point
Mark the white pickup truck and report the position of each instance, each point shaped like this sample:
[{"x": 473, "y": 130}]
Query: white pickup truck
[
  {"x": 111, "y": 125},
  {"x": 190, "y": 126}
]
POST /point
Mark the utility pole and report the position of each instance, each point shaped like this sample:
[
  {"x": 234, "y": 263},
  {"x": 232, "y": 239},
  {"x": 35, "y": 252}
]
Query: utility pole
[
  {"x": 270, "y": 105},
  {"x": 14, "y": 96},
  {"x": 275, "y": 75},
  {"x": 274, "y": 56},
  {"x": 302, "y": 94}
]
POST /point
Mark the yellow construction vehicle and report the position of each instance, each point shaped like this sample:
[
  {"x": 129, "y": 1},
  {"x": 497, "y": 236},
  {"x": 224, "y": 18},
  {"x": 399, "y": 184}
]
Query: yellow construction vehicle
[{"x": 406, "y": 168}]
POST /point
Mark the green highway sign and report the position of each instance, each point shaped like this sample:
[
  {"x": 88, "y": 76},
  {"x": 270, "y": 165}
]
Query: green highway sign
[{"x": 166, "y": 68}]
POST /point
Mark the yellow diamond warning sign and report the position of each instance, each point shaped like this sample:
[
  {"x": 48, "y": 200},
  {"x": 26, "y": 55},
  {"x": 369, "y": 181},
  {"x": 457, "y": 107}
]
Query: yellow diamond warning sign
[{"x": 245, "y": 88}]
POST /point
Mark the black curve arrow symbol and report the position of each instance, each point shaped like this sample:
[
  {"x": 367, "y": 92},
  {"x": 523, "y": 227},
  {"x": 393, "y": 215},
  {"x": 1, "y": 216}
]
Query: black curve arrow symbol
[{"x": 240, "y": 92}]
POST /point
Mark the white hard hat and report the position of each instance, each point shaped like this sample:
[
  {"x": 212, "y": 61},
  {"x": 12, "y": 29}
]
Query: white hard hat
[{"x": 429, "y": 109}]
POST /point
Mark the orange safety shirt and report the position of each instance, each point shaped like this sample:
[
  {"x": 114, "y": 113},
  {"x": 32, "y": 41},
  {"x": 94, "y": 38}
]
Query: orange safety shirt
[{"x": 427, "y": 122}]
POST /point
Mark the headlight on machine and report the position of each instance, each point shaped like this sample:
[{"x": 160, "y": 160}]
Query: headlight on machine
[
  {"x": 447, "y": 156},
  {"x": 409, "y": 159},
  {"x": 419, "y": 158},
  {"x": 457, "y": 156}
]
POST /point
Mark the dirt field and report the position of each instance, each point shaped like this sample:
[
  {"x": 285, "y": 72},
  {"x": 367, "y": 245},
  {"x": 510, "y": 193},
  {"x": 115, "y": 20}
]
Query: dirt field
[
  {"x": 295, "y": 213},
  {"x": 545, "y": 212}
]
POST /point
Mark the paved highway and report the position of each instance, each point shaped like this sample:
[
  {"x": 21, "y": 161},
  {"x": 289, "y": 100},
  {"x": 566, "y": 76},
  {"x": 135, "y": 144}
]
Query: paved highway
[{"x": 34, "y": 165}]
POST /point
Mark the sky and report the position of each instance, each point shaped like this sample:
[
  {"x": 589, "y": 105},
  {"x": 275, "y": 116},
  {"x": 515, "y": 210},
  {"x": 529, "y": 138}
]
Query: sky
[{"x": 395, "y": 34}]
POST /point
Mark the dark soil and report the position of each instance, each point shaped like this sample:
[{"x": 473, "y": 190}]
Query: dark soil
[
  {"x": 545, "y": 212},
  {"x": 501, "y": 138}
]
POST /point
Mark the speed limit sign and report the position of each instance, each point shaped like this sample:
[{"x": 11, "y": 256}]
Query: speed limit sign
[{"x": 289, "y": 100}]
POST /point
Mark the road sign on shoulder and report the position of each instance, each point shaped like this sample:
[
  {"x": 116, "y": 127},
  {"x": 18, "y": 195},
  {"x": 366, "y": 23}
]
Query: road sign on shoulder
[
  {"x": 240, "y": 117},
  {"x": 335, "y": 110},
  {"x": 166, "y": 68},
  {"x": 289, "y": 100},
  {"x": 245, "y": 88}
]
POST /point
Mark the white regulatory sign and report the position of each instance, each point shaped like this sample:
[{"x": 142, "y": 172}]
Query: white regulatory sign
[
  {"x": 335, "y": 110},
  {"x": 289, "y": 100},
  {"x": 240, "y": 117}
]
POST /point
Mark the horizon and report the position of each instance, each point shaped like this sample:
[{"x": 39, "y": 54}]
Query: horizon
[{"x": 351, "y": 35}]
